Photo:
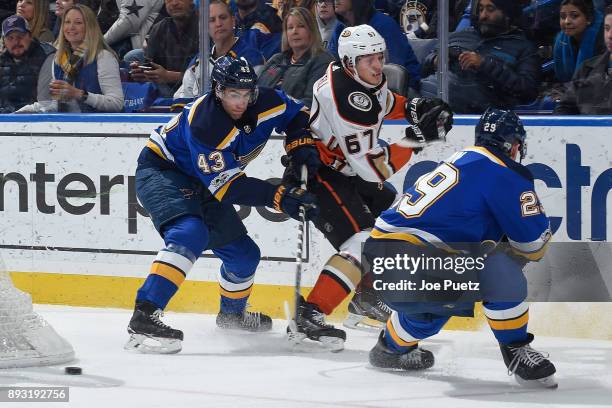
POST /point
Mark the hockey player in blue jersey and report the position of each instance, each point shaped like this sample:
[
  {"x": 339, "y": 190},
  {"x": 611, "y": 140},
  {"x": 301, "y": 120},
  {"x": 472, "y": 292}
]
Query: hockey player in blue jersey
[
  {"x": 189, "y": 175},
  {"x": 479, "y": 195}
]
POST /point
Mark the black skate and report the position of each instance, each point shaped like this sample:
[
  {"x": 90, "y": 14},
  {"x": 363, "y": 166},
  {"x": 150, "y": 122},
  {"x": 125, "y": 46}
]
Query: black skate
[
  {"x": 310, "y": 323},
  {"x": 249, "y": 321},
  {"x": 415, "y": 359},
  {"x": 530, "y": 367},
  {"x": 148, "y": 334},
  {"x": 367, "y": 311}
]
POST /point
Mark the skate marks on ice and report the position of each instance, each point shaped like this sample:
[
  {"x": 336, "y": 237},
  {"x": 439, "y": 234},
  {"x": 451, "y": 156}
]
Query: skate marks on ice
[
  {"x": 237, "y": 344},
  {"x": 476, "y": 374},
  {"x": 55, "y": 376}
]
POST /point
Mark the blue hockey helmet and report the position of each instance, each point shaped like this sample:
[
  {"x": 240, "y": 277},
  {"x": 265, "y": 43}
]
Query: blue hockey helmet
[
  {"x": 501, "y": 128},
  {"x": 237, "y": 73}
]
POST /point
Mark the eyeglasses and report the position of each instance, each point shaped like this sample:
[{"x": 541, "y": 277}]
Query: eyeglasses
[{"x": 325, "y": 1}]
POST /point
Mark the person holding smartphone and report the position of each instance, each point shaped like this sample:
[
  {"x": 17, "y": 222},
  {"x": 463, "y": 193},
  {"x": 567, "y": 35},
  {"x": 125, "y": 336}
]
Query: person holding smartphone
[{"x": 171, "y": 44}]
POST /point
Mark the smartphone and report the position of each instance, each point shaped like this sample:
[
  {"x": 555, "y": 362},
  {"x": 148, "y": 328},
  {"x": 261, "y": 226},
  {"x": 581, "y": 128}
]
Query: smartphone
[{"x": 146, "y": 65}]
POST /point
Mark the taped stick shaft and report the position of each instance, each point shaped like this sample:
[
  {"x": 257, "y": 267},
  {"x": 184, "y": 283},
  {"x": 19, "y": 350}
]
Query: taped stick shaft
[{"x": 300, "y": 247}]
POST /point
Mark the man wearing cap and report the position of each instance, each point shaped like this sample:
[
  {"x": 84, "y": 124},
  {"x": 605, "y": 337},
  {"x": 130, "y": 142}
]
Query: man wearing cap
[
  {"x": 25, "y": 65},
  {"x": 492, "y": 63}
]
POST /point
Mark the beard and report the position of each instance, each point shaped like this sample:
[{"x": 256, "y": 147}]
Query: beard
[{"x": 493, "y": 28}]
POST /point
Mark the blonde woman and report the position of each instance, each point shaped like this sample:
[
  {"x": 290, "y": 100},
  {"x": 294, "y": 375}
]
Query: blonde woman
[
  {"x": 302, "y": 60},
  {"x": 36, "y": 13},
  {"x": 85, "y": 69}
]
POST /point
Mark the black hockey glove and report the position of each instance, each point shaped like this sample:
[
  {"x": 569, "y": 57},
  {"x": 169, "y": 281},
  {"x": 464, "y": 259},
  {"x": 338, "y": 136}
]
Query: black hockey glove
[
  {"x": 307, "y": 155},
  {"x": 430, "y": 120},
  {"x": 303, "y": 151},
  {"x": 288, "y": 199}
]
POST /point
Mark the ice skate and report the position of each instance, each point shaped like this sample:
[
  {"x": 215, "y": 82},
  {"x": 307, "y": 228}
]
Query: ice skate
[
  {"x": 531, "y": 368},
  {"x": 310, "y": 323},
  {"x": 414, "y": 359},
  {"x": 148, "y": 334},
  {"x": 367, "y": 311},
  {"x": 249, "y": 321}
]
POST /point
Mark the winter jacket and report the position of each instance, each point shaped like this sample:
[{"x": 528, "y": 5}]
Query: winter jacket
[
  {"x": 172, "y": 49},
  {"x": 398, "y": 49},
  {"x": 295, "y": 79},
  {"x": 19, "y": 79},
  {"x": 7, "y": 8},
  {"x": 136, "y": 18},
  {"x": 264, "y": 19},
  {"x": 508, "y": 75},
  {"x": 590, "y": 91}
]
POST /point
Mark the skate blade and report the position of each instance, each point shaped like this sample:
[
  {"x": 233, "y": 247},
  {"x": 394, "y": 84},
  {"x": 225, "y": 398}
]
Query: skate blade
[
  {"x": 152, "y": 345},
  {"x": 362, "y": 323},
  {"x": 300, "y": 342},
  {"x": 546, "y": 382},
  {"x": 333, "y": 344}
]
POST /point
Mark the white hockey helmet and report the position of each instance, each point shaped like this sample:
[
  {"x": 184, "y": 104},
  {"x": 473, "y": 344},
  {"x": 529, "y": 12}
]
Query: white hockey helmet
[{"x": 357, "y": 41}]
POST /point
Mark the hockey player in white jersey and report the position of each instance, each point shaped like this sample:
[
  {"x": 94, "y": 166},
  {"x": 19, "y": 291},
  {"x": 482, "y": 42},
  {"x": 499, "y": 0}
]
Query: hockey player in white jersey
[{"x": 347, "y": 166}]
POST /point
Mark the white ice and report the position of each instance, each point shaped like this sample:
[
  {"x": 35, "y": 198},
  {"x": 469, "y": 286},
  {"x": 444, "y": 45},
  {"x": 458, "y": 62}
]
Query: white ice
[{"x": 221, "y": 369}]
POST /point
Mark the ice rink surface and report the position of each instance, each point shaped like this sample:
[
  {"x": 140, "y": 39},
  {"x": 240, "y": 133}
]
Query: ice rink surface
[{"x": 229, "y": 369}]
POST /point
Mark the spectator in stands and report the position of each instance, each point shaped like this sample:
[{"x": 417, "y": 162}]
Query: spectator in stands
[
  {"x": 356, "y": 12},
  {"x": 25, "y": 65},
  {"x": 492, "y": 64},
  {"x": 85, "y": 69},
  {"x": 590, "y": 91},
  {"x": 257, "y": 15},
  {"x": 303, "y": 59},
  {"x": 62, "y": 5},
  {"x": 419, "y": 19},
  {"x": 580, "y": 37},
  {"x": 36, "y": 13},
  {"x": 172, "y": 43},
  {"x": 326, "y": 20},
  {"x": 221, "y": 31},
  {"x": 60, "y": 8},
  {"x": 136, "y": 17}
]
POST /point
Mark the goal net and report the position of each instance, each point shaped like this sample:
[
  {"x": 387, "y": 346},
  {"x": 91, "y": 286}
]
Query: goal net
[{"x": 26, "y": 339}]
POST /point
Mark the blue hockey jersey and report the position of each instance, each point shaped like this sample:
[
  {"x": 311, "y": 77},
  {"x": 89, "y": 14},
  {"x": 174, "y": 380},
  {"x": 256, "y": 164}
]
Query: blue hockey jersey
[
  {"x": 204, "y": 142},
  {"x": 476, "y": 195}
]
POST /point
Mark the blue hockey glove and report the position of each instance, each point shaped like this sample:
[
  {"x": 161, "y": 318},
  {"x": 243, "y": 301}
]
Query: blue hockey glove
[
  {"x": 307, "y": 155},
  {"x": 303, "y": 151},
  {"x": 288, "y": 199}
]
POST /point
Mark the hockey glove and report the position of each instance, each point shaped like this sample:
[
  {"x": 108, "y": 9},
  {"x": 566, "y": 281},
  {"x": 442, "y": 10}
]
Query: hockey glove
[
  {"x": 430, "y": 120},
  {"x": 288, "y": 199},
  {"x": 307, "y": 155}
]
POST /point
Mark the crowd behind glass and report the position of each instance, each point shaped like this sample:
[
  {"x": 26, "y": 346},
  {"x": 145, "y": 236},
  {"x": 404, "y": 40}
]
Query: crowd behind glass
[{"x": 550, "y": 56}]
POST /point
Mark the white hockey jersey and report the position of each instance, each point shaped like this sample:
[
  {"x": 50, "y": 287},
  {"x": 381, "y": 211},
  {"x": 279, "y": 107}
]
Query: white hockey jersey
[{"x": 346, "y": 118}]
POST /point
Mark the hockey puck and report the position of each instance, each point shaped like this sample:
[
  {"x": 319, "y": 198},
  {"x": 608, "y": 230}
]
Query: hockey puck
[{"x": 73, "y": 370}]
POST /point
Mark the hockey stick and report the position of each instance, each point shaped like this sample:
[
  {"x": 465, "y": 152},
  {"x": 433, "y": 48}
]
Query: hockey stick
[
  {"x": 298, "y": 257},
  {"x": 300, "y": 248}
]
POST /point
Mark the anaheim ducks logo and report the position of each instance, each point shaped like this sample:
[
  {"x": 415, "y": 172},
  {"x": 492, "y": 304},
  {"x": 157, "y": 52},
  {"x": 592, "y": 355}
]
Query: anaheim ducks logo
[
  {"x": 360, "y": 101},
  {"x": 346, "y": 33}
]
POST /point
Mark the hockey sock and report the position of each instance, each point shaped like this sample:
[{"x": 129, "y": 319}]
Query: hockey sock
[
  {"x": 508, "y": 320},
  {"x": 337, "y": 279},
  {"x": 235, "y": 291},
  {"x": 167, "y": 274},
  {"x": 403, "y": 333},
  {"x": 237, "y": 274}
]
